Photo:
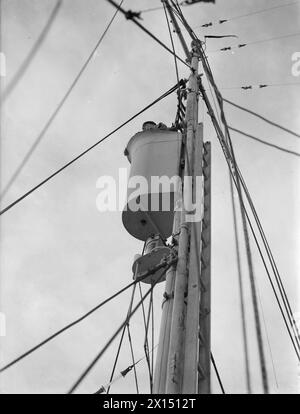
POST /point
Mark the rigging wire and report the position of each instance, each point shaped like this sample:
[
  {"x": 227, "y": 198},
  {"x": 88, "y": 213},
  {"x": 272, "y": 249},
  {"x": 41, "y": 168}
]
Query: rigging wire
[
  {"x": 262, "y": 117},
  {"x": 217, "y": 373},
  {"x": 254, "y": 42},
  {"x": 296, "y": 347},
  {"x": 221, "y": 21},
  {"x": 182, "y": 4},
  {"x": 122, "y": 374},
  {"x": 241, "y": 289},
  {"x": 227, "y": 158},
  {"x": 297, "y": 154},
  {"x": 25, "y": 195},
  {"x": 145, "y": 326},
  {"x": 121, "y": 340},
  {"x": 29, "y": 58},
  {"x": 57, "y": 110},
  {"x": 65, "y": 328},
  {"x": 146, "y": 343},
  {"x": 133, "y": 16},
  {"x": 109, "y": 342}
]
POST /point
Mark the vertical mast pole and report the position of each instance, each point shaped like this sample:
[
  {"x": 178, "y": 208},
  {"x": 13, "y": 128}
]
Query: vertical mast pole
[
  {"x": 160, "y": 376},
  {"x": 190, "y": 374},
  {"x": 175, "y": 366},
  {"x": 205, "y": 302}
]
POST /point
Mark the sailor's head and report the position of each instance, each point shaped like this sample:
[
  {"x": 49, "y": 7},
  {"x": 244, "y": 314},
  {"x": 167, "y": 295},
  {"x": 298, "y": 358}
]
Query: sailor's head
[{"x": 149, "y": 125}]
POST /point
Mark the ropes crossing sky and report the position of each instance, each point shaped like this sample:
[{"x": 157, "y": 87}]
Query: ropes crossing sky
[{"x": 236, "y": 177}]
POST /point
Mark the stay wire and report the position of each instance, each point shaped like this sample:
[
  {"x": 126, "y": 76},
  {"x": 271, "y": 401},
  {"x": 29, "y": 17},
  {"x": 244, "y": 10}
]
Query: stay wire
[
  {"x": 57, "y": 109},
  {"x": 18, "y": 200},
  {"x": 110, "y": 341},
  {"x": 33, "y": 52},
  {"x": 172, "y": 43}
]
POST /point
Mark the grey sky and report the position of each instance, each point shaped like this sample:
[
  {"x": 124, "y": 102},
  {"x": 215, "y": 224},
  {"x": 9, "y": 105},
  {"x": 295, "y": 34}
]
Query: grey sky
[{"x": 60, "y": 256}]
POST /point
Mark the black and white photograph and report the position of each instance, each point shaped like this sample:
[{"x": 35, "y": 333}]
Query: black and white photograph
[{"x": 149, "y": 199}]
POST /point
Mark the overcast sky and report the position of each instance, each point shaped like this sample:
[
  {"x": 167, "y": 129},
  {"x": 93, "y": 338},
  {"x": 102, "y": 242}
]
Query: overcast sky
[{"x": 60, "y": 256}]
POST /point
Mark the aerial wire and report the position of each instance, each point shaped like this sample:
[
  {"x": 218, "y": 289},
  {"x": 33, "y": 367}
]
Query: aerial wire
[
  {"x": 217, "y": 373},
  {"x": 262, "y": 117},
  {"x": 67, "y": 327}
]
